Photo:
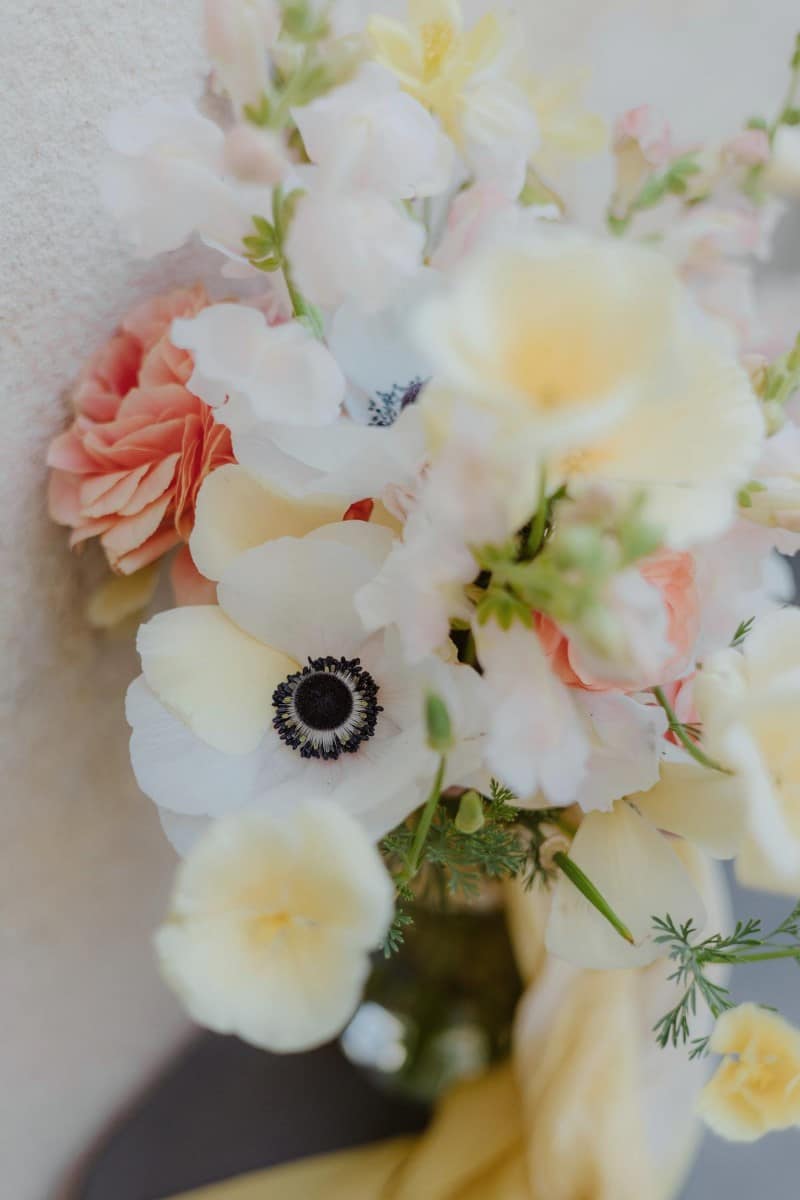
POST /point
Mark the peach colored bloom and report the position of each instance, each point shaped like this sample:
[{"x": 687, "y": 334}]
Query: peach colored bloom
[
  {"x": 130, "y": 465},
  {"x": 672, "y": 573}
]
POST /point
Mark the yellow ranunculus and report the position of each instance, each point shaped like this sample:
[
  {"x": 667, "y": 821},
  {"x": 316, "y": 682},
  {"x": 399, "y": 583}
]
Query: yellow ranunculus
[
  {"x": 756, "y": 1089},
  {"x": 433, "y": 56}
]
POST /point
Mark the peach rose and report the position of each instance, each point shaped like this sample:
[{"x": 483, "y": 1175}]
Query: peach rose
[
  {"x": 672, "y": 573},
  {"x": 130, "y": 465}
]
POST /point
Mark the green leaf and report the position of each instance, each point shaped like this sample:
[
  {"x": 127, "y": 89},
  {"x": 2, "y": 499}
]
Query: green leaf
[
  {"x": 790, "y": 116},
  {"x": 505, "y": 609},
  {"x": 259, "y": 114},
  {"x": 595, "y": 897}
]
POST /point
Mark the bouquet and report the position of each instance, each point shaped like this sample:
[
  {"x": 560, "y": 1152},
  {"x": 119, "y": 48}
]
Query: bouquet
[{"x": 471, "y": 518}]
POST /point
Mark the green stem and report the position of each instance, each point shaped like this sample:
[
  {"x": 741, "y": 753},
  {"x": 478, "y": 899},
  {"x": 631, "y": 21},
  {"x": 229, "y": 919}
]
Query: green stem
[
  {"x": 423, "y": 827},
  {"x": 788, "y": 102},
  {"x": 536, "y": 534},
  {"x": 758, "y": 956},
  {"x": 585, "y": 886},
  {"x": 678, "y": 729}
]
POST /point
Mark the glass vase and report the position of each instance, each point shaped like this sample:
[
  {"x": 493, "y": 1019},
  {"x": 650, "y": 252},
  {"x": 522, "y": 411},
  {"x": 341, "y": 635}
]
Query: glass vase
[{"x": 441, "y": 1008}]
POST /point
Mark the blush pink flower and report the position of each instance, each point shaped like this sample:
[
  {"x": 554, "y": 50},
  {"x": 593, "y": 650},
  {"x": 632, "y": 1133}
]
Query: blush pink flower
[
  {"x": 672, "y": 573},
  {"x": 130, "y": 465}
]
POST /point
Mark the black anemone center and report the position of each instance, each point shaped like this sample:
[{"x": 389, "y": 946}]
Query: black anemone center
[
  {"x": 326, "y": 709},
  {"x": 323, "y": 701}
]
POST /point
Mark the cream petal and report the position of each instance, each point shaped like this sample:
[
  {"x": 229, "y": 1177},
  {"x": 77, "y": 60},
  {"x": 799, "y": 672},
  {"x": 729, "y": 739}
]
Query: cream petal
[
  {"x": 122, "y": 596},
  {"x": 690, "y": 452},
  {"x": 297, "y": 594},
  {"x": 344, "y": 883},
  {"x": 271, "y": 922},
  {"x": 235, "y": 512},
  {"x": 182, "y": 832},
  {"x": 772, "y": 648},
  {"x": 369, "y": 538},
  {"x": 640, "y": 876},
  {"x": 185, "y": 775},
  {"x": 706, "y": 807},
  {"x": 212, "y": 676}
]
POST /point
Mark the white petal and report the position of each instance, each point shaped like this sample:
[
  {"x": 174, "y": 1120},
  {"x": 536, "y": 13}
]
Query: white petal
[
  {"x": 235, "y": 512},
  {"x": 182, "y": 832},
  {"x": 282, "y": 371},
  {"x": 691, "y": 452},
  {"x": 706, "y": 807},
  {"x": 378, "y": 353},
  {"x": 182, "y": 773},
  {"x": 536, "y": 742},
  {"x": 211, "y": 675},
  {"x": 297, "y": 594},
  {"x": 641, "y": 877},
  {"x": 625, "y": 747}
]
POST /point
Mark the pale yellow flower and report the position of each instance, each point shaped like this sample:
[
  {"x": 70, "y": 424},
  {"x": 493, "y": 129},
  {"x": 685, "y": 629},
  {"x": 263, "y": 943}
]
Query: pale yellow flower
[
  {"x": 272, "y": 922},
  {"x": 756, "y": 1088},
  {"x": 586, "y": 353},
  {"x": 434, "y": 57},
  {"x": 565, "y": 125},
  {"x": 749, "y": 705}
]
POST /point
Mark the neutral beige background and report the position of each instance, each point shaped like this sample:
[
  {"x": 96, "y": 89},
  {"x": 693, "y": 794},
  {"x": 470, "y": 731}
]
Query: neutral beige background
[{"x": 83, "y": 867}]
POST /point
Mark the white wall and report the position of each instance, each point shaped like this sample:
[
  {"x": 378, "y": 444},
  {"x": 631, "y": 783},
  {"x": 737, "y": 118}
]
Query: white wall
[{"x": 83, "y": 866}]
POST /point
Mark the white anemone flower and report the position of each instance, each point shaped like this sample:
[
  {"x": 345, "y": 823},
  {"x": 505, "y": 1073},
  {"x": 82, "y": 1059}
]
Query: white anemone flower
[
  {"x": 590, "y": 356},
  {"x": 279, "y": 690},
  {"x": 271, "y": 924},
  {"x": 281, "y": 393},
  {"x": 167, "y": 178},
  {"x": 749, "y": 704}
]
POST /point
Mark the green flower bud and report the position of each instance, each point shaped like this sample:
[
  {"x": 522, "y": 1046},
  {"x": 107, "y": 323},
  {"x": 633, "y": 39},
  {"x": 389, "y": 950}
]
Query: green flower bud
[
  {"x": 470, "y": 818},
  {"x": 774, "y": 416},
  {"x": 437, "y": 721}
]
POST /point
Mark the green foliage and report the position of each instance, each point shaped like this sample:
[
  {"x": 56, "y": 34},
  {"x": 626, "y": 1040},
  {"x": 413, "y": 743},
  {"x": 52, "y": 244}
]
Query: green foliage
[
  {"x": 302, "y": 23},
  {"x": 501, "y": 605},
  {"x": 742, "y": 630},
  {"x": 747, "y": 944},
  {"x": 265, "y": 248},
  {"x": 501, "y": 807},
  {"x": 396, "y": 934}
]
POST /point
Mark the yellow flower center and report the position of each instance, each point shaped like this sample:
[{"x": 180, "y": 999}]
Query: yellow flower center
[
  {"x": 583, "y": 462},
  {"x": 265, "y": 927},
  {"x": 437, "y": 38}
]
